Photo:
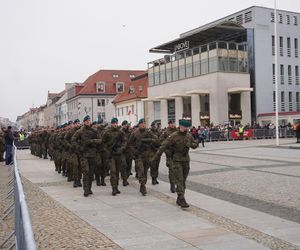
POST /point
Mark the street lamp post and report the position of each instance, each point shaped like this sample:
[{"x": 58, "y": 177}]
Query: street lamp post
[{"x": 276, "y": 74}]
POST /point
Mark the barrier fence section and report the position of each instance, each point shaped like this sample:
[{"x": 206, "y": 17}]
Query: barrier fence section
[
  {"x": 23, "y": 233},
  {"x": 228, "y": 135}
]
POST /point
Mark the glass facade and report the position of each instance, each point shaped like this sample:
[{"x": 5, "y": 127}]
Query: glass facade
[{"x": 209, "y": 58}]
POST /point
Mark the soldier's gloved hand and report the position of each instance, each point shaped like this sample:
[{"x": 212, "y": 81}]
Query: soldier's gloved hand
[{"x": 188, "y": 144}]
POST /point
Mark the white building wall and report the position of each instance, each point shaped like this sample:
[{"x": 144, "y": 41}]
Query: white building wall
[{"x": 132, "y": 111}]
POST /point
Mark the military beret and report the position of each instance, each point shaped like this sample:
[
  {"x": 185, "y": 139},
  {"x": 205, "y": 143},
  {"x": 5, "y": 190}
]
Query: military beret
[
  {"x": 76, "y": 121},
  {"x": 185, "y": 123},
  {"x": 87, "y": 117},
  {"x": 70, "y": 122},
  {"x": 153, "y": 124},
  {"x": 170, "y": 122},
  {"x": 142, "y": 120},
  {"x": 124, "y": 122},
  {"x": 114, "y": 120},
  {"x": 65, "y": 125}
]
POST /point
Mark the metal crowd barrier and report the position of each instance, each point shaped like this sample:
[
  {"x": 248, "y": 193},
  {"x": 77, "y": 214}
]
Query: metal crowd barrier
[
  {"x": 23, "y": 233},
  {"x": 22, "y": 144},
  {"x": 255, "y": 134}
]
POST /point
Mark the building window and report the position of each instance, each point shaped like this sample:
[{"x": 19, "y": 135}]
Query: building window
[
  {"x": 132, "y": 109},
  {"x": 115, "y": 75},
  {"x": 280, "y": 18},
  {"x": 289, "y": 74},
  {"x": 290, "y": 101},
  {"x": 100, "y": 87},
  {"x": 288, "y": 44},
  {"x": 282, "y": 101},
  {"x": 295, "y": 20},
  {"x": 274, "y": 101},
  {"x": 273, "y": 45},
  {"x": 281, "y": 45},
  {"x": 120, "y": 87},
  {"x": 281, "y": 74},
  {"x": 297, "y": 101},
  {"x": 296, "y": 47},
  {"x": 272, "y": 17},
  {"x": 297, "y": 74},
  {"x": 273, "y": 73},
  {"x": 101, "y": 102},
  {"x": 132, "y": 76},
  {"x": 288, "y": 20},
  {"x": 131, "y": 89},
  {"x": 239, "y": 19},
  {"x": 101, "y": 115},
  {"x": 248, "y": 16}
]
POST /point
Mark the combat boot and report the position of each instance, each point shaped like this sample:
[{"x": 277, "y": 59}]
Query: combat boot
[
  {"x": 143, "y": 190},
  {"x": 98, "y": 181},
  {"x": 154, "y": 181},
  {"x": 114, "y": 191},
  {"x": 86, "y": 194},
  {"x": 79, "y": 183},
  {"x": 118, "y": 191},
  {"x": 69, "y": 179},
  {"x": 172, "y": 188},
  {"x": 90, "y": 192},
  {"x": 125, "y": 183},
  {"x": 75, "y": 184},
  {"x": 182, "y": 202},
  {"x": 103, "y": 181}
]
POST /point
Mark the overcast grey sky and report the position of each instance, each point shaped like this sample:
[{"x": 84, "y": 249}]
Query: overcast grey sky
[{"x": 45, "y": 43}]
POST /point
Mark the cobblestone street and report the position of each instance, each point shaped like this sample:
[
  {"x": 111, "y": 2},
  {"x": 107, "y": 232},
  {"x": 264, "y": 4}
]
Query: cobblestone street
[{"x": 243, "y": 195}]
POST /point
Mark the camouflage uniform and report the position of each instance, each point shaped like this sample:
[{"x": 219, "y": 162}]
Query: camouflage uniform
[
  {"x": 101, "y": 167},
  {"x": 73, "y": 169},
  {"x": 169, "y": 155},
  {"x": 181, "y": 142},
  {"x": 85, "y": 140},
  {"x": 141, "y": 142},
  {"x": 115, "y": 141},
  {"x": 44, "y": 143},
  {"x": 155, "y": 165},
  {"x": 127, "y": 155}
]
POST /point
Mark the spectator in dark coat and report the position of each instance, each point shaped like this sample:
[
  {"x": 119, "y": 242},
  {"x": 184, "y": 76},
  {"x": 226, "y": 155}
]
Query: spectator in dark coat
[
  {"x": 297, "y": 130},
  {"x": 9, "y": 140}
]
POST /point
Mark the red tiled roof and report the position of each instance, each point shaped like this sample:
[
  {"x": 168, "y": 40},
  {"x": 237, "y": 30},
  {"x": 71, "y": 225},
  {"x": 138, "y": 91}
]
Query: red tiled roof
[
  {"x": 140, "y": 82},
  {"x": 89, "y": 85},
  {"x": 279, "y": 113}
]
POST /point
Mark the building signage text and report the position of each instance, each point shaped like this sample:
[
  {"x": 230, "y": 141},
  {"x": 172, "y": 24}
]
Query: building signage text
[{"x": 182, "y": 46}]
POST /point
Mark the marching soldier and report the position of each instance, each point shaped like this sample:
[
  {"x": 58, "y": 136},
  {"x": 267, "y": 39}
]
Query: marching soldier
[
  {"x": 114, "y": 141},
  {"x": 101, "y": 167},
  {"x": 169, "y": 153},
  {"x": 155, "y": 165},
  {"x": 127, "y": 154},
  {"x": 73, "y": 161},
  {"x": 141, "y": 142},
  {"x": 85, "y": 140},
  {"x": 181, "y": 141}
]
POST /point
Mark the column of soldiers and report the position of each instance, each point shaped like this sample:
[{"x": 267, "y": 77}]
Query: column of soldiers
[{"x": 93, "y": 151}]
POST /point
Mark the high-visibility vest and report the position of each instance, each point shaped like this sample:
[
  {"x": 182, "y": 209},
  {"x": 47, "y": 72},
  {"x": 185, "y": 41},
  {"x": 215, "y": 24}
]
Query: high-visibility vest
[
  {"x": 241, "y": 130},
  {"x": 22, "y": 137}
]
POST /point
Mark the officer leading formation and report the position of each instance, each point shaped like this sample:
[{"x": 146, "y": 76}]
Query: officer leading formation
[{"x": 93, "y": 151}]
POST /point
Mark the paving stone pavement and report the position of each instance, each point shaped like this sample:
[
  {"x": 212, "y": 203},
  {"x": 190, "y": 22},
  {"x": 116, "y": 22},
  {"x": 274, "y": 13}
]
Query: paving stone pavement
[
  {"x": 213, "y": 222},
  {"x": 7, "y": 224}
]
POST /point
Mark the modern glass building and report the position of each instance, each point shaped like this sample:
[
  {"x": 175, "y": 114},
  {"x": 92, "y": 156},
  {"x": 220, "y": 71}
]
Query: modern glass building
[{"x": 203, "y": 76}]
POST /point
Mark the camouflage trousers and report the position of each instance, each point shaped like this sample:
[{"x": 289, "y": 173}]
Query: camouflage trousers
[
  {"x": 44, "y": 151},
  {"x": 87, "y": 165},
  {"x": 117, "y": 166},
  {"x": 169, "y": 164},
  {"x": 75, "y": 166},
  {"x": 142, "y": 165},
  {"x": 101, "y": 165},
  {"x": 154, "y": 168},
  {"x": 1, "y": 154},
  {"x": 181, "y": 171},
  {"x": 128, "y": 163}
]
